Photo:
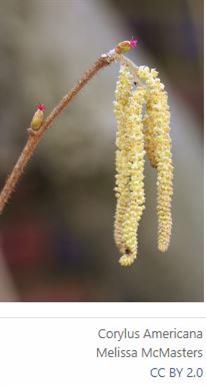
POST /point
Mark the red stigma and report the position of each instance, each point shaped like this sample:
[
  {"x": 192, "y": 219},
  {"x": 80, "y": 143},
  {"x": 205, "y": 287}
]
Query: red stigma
[
  {"x": 41, "y": 107},
  {"x": 133, "y": 43}
]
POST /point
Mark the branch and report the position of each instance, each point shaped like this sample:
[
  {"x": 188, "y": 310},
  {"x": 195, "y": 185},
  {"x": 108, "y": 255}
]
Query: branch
[{"x": 34, "y": 137}]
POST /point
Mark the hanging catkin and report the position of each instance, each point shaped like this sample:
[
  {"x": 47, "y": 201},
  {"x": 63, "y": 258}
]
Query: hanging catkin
[
  {"x": 121, "y": 105},
  {"x": 135, "y": 136}
]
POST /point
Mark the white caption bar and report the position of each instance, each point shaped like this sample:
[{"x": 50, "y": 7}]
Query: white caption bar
[{"x": 62, "y": 353}]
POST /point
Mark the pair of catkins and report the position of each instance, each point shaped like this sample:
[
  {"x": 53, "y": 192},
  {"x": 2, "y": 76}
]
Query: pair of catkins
[{"x": 143, "y": 126}]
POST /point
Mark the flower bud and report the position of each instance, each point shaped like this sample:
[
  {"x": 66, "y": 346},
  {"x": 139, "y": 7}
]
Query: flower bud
[
  {"x": 125, "y": 46},
  {"x": 38, "y": 117}
]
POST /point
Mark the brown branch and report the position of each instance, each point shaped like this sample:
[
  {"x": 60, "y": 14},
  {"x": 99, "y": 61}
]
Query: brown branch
[{"x": 34, "y": 138}]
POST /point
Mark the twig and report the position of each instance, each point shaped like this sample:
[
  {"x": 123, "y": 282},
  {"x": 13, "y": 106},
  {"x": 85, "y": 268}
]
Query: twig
[{"x": 35, "y": 137}]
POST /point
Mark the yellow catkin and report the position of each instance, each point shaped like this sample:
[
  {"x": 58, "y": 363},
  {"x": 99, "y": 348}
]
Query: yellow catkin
[
  {"x": 121, "y": 104},
  {"x": 164, "y": 175},
  {"x": 135, "y": 172},
  {"x": 137, "y": 135},
  {"x": 158, "y": 148}
]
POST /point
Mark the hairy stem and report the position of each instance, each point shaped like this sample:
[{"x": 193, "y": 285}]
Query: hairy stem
[{"x": 34, "y": 138}]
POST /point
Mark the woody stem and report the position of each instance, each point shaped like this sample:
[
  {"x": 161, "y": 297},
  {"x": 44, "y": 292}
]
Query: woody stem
[{"x": 34, "y": 138}]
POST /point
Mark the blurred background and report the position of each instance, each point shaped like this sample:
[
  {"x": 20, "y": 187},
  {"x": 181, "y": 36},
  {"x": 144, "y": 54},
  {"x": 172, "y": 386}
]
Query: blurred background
[{"x": 56, "y": 233}]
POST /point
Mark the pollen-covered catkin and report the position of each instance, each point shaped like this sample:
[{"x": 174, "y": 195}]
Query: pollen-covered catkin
[
  {"x": 121, "y": 104},
  {"x": 164, "y": 175},
  {"x": 136, "y": 136},
  {"x": 158, "y": 148},
  {"x": 135, "y": 171}
]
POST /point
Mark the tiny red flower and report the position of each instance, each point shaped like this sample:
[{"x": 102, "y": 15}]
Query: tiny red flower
[
  {"x": 41, "y": 107},
  {"x": 133, "y": 43}
]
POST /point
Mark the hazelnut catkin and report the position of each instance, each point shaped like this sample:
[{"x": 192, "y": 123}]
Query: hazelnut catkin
[
  {"x": 135, "y": 137},
  {"x": 121, "y": 104},
  {"x": 135, "y": 171},
  {"x": 158, "y": 148},
  {"x": 129, "y": 166},
  {"x": 164, "y": 176}
]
